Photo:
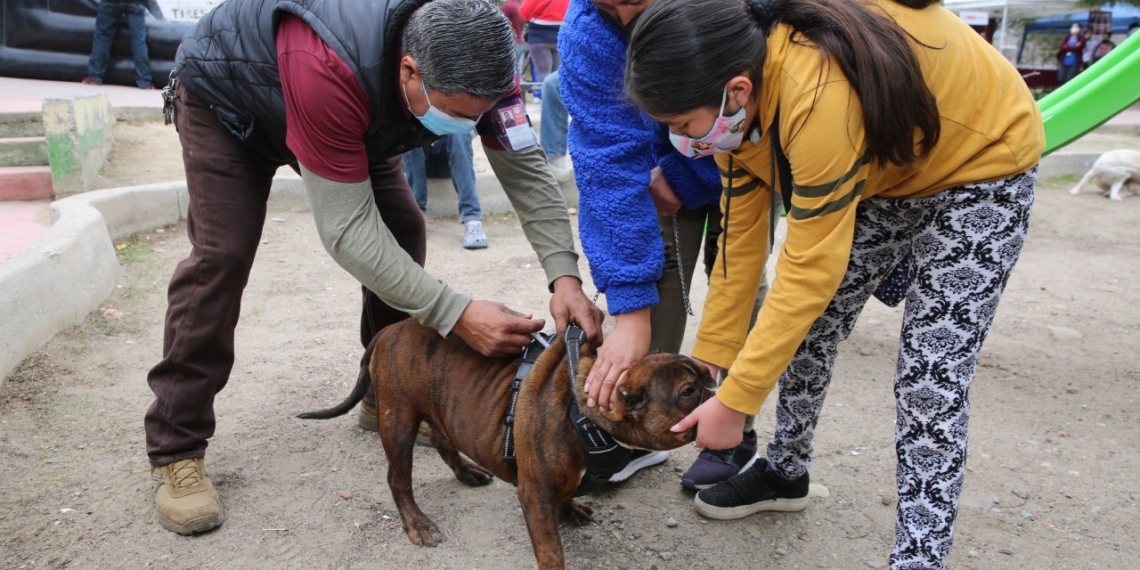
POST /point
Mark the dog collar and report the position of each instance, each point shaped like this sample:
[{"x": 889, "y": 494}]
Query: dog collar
[{"x": 604, "y": 456}]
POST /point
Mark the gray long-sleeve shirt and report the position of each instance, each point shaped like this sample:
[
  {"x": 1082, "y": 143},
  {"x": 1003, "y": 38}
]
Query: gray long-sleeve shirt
[{"x": 354, "y": 234}]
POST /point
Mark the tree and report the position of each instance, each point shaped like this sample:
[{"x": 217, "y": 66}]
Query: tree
[{"x": 1095, "y": 4}]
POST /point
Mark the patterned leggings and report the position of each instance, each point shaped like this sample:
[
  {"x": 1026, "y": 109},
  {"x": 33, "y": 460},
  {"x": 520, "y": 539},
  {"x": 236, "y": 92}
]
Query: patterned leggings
[{"x": 963, "y": 244}]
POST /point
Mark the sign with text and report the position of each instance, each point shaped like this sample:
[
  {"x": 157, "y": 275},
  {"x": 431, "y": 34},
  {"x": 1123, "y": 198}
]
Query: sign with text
[
  {"x": 186, "y": 10},
  {"x": 975, "y": 18}
]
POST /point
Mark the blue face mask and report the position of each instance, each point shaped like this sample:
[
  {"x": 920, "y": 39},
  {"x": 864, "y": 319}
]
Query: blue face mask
[{"x": 437, "y": 121}]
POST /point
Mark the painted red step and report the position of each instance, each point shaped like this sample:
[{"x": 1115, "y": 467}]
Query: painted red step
[
  {"x": 26, "y": 183},
  {"x": 21, "y": 223}
]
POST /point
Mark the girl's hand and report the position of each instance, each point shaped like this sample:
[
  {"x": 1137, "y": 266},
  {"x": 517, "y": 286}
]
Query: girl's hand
[{"x": 718, "y": 426}]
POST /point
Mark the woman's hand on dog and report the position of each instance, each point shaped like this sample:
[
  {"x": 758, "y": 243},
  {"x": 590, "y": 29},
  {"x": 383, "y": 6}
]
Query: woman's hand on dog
[
  {"x": 570, "y": 305},
  {"x": 494, "y": 329},
  {"x": 628, "y": 343},
  {"x": 718, "y": 426}
]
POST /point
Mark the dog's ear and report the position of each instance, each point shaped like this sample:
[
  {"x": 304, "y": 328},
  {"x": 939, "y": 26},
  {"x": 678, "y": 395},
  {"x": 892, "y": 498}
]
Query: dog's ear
[
  {"x": 628, "y": 403},
  {"x": 702, "y": 374}
]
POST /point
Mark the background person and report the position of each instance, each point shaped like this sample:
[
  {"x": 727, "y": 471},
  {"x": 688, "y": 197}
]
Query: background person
[
  {"x": 460, "y": 162},
  {"x": 109, "y": 15},
  {"x": 398, "y": 79},
  {"x": 544, "y": 19},
  {"x": 554, "y": 129},
  {"x": 923, "y": 168},
  {"x": 1091, "y": 41},
  {"x": 510, "y": 9},
  {"x": 1103, "y": 47},
  {"x": 1070, "y": 55}
]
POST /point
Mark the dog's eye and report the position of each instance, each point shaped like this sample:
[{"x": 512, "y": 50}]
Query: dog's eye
[{"x": 689, "y": 392}]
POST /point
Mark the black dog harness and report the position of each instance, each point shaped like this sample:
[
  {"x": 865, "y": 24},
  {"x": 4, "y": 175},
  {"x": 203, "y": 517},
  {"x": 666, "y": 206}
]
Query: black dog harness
[
  {"x": 604, "y": 456},
  {"x": 529, "y": 357}
]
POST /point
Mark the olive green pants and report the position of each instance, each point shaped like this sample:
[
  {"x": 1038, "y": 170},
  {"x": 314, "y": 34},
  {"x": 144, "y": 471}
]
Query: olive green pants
[{"x": 685, "y": 237}]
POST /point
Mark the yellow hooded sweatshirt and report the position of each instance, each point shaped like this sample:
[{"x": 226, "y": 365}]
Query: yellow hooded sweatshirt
[{"x": 991, "y": 129}]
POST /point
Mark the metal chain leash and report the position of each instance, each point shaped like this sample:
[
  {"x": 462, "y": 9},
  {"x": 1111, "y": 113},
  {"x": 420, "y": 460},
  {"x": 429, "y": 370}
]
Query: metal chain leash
[
  {"x": 681, "y": 266},
  {"x": 680, "y": 270}
]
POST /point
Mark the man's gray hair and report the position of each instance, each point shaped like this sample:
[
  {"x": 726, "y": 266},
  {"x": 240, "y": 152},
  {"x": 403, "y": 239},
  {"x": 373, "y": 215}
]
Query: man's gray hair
[{"x": 463, "y": 46}]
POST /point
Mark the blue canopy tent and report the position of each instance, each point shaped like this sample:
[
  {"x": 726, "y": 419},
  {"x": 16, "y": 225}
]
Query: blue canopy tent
[
  {"x": 1122, "y": 16},
  {"x": 1005, "y": 11}
]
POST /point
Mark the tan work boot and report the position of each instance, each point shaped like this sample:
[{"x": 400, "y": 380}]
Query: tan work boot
[
  {"x": 186, "y": 500},
  {"x": 366, "y": 419}
]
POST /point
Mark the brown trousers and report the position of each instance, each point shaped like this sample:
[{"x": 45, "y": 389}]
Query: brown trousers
[{"x": 229, "y": 183}]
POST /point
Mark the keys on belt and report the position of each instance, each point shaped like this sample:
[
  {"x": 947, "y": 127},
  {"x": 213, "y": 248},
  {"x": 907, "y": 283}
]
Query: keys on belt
[{"x": 168, "y": 96}]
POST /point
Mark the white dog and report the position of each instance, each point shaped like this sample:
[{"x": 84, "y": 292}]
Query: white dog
[{"x": 1114, "y": 170}]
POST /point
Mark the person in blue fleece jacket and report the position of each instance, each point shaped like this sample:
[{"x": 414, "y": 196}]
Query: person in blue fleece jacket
[{"x": 640, "y": 200}]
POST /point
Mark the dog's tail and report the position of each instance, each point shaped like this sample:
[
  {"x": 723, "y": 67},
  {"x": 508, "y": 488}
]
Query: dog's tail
[
  {"x": 355, "y": 396},
  {"x": 1077, "y": 189}
]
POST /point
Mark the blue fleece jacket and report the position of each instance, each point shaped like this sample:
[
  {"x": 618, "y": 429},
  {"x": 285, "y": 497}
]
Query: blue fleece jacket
[{"x": 614, "y": 147}]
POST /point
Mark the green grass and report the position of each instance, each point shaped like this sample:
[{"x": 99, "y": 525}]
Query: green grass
[
  {"x": 1063, "y": 179},
  {"x": 130, "y": 292},
  {"x": 133, "y": 251},
  {"x": 85, "y": 405},
  {"x": 80, "y": 335}
]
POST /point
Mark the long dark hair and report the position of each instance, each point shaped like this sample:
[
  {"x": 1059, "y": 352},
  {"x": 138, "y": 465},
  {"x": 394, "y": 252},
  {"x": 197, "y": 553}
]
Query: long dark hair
[{"x": 683, "y": 52}]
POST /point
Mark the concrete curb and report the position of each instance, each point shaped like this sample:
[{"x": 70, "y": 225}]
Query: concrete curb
[
  {"x": 67, "y": 273},
  {"x": 1066, "y": 164},
  {"x": 54, "y": 282}
]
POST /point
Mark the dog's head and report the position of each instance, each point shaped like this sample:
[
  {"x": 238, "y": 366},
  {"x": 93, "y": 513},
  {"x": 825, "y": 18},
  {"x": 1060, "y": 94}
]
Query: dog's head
[{"x": 652, "y": 396}]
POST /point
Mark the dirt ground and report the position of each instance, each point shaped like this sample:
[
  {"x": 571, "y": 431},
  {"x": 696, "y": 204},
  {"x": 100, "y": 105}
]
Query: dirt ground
[{"x": 1053, "y": 462}]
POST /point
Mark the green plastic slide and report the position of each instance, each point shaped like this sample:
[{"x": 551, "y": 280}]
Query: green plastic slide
[{"x": 1092, "y": 97}]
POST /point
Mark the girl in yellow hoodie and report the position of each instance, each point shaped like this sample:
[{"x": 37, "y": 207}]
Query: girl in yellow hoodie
[{"x": 898, "y": 133}]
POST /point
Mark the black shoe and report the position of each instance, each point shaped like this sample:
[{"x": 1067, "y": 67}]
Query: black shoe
[
  {"x": 715, "y": 465},
  {"x": 752, "y": 491}
]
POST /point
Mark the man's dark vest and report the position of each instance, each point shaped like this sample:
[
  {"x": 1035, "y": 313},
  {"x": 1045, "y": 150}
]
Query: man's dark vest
[{"x": 230, "y": 61}]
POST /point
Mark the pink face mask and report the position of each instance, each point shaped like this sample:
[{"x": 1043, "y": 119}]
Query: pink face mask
[{"x": 725, "y": 135}]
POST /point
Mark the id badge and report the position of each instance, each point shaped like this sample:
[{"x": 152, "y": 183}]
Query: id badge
[{"x": 516, "y": 134}]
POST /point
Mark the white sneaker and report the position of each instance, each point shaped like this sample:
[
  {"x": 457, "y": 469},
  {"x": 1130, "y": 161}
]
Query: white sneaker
[
  {"x": 639, "y": 460},
  {"x": 562, "y": 168}
]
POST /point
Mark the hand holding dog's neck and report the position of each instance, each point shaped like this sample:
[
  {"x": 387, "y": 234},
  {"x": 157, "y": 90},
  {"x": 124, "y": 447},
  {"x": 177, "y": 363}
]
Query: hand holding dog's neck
[{"x": 595, "y": 414}]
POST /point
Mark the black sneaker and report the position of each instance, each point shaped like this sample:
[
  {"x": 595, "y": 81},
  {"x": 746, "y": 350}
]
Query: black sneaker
[
  {"x": 752, "y": 491},
  {"x": 715, "y": 465}
]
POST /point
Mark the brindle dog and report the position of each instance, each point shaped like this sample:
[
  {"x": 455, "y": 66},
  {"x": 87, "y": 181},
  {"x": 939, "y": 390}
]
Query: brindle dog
[{"x": 464, "y": 396}]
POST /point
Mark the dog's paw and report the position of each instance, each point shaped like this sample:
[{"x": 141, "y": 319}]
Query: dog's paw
[
  {"x": 472, "y": 475},
  {"x": 577, "y": 513},
  {"x": 423, "y": 532}
]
